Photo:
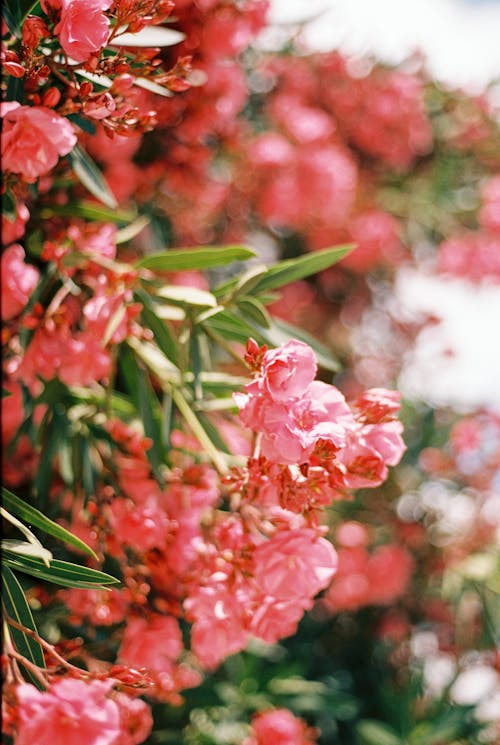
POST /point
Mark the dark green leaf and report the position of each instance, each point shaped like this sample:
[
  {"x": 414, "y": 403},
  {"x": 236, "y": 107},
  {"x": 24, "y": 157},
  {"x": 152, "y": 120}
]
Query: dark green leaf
[
  {"x": 35, "y": 518},
  {"x": 6, "y": 393},
  {"x": 85, "y": 124},
  {"x": 148, "y": 407},
  {"x": 9, "y": 205},
  {"x": 17, "y": 608},
  {"x": 60, "y": 572},
  {"x": 181, "y": 259},
  {"x": 91, "y": 177},
  {"x": 160, "y": 329}
]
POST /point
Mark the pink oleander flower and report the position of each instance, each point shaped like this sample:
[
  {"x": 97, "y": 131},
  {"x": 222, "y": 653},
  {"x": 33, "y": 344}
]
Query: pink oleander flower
[
  {"x": 83, "y": 28},
  {"x": 33, "y": 139},
  {"x": 280, "y": 727},
  {"x": 70, "y": 711},
  {"x": 18, "y": 281},
  {"x": 294, "y": 564},
  {"x": 288, "y": 370},
  {"x": 136, "y": 720},
  {"x": 218, "y": 629},
  {"x": 154, "y": 643}
]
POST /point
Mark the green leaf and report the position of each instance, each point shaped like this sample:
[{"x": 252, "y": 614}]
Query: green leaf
[
  {"x": 9, "y": 205},
  {"x": 184, "y": 295},
  {"x": 130, "y": 231},
  {"x": 17, "y": 608},
  {"x": 89, "y": 211},
  {"x": 291, "y": 270},
  {"x": 181, "y": 259},
  {"x": 37, "y": 519},
  {"x": 232, "y": 327},
  {"x": 161, "y": 332},
  {"x": 91, "y": 177},
  {"x": 6, "y": 393},
  {"x": 62, "y": 573},
  {"x": 151, "y": 36},
  {"x": 27, "y": 548},
  {"x": 147, "y": 405},
  {"x": 372, "y": 732},
  {"x": 253, "y": 308},
  {"x": 247, "y": 281},
  {"x": 85, "y": 124}
]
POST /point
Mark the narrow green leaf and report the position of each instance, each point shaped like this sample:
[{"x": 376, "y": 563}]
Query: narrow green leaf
[
  {"x": 160, "y": 329},
  {"x": 372, "y": 732},
  {"x": 35, "y": 518},
  {"x": 62, "y": 573},
  {"x": 15, "y": 89},
  {"x": 253, "y": 308},
  {"x": 130, "y": 231},
  {"x": 17, "y": 608},
  {"x": 81, "y": 121},
  {"x": 187, "y": 296},
  {"x": 6, "y": 393},
  {"x": 232, "y": 327},
  {"x": 27, "y": 548},
  {"x": 147, "y": 405},
  {"x": 181, "y": 259},
  {"x": 89, "y": 211},
  {"x": 91, "y": 177},
  {"x": 291, "y": 270}
]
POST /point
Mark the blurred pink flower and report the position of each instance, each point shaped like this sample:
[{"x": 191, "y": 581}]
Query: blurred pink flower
[
  {"x": 33, "y": 139},
  {"x": 18, "y": 281},
  {"x": 71, "y": 711}
]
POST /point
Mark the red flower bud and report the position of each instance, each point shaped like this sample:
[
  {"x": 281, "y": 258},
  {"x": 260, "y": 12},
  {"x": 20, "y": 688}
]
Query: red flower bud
[{"x": 34, "y": 29}]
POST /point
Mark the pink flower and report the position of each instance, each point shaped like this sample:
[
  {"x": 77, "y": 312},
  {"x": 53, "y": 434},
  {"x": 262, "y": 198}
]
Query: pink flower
[
  {"x": 294, "y": 564},
  {"x": 33, "y": 139},
  {"x": 154, "y": 643},
  {"x": 136, "y": 720},
  {"x": 218, "y": 629},
  {"x": 288, "y": 370},
  {"x": 280, "y": 727},
  {"x": 18, "y": 281},
  {"x": 71, "y": 711},
  {"x": 83, "y": 28}
]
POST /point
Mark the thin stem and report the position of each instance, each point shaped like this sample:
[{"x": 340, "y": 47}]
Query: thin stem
[{"x": 45, "y": 645}]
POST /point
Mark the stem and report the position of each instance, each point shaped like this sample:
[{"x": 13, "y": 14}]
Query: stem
[
  {"x": 223, "y": 343},
  {"x": 48, "y": 647},
  {"x": 198, "y": 431}
]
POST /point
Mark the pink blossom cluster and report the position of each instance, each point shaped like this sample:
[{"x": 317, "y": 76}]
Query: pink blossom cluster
[
  {"x": 304, "y": 421},
  {"x": 83, "y": 713},
  {"x": 474, "y": 256},
  {"x": 381, "y": 112},
  {"x": 280, "y": 727},
  {"x": 364, "y": 577}
]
